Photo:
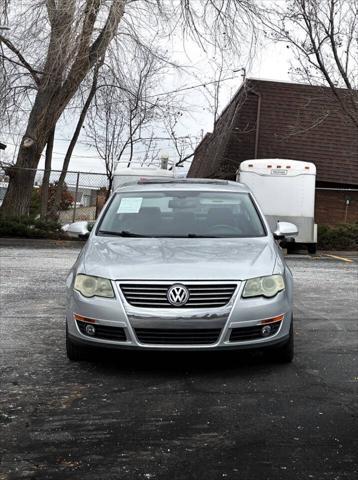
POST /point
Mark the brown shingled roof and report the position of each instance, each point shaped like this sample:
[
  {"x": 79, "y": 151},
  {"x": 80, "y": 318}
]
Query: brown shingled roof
[{"x": 297, "y": 121}]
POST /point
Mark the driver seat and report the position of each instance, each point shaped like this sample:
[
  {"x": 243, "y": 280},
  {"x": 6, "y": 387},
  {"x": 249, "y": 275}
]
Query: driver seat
[{"x": 221, "y": 216}]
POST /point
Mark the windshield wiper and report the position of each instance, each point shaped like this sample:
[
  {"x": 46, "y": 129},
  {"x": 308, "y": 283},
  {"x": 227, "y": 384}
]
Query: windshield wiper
[
  {"x": 194, "y": 235},
  {"x": 122, "y": 233},
  {"x": 126, "y": 233}
]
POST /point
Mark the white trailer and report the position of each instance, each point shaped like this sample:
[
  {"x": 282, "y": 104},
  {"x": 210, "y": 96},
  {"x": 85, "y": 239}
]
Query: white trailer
[
  {"x": 125, "y": 175},
  {"x": 285, "y": 190}
]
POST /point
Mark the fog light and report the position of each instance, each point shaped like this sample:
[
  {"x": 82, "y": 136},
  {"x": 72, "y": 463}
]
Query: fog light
[
  {"x": 266, "y": 330},
  {"x": 90, "y": 330}
]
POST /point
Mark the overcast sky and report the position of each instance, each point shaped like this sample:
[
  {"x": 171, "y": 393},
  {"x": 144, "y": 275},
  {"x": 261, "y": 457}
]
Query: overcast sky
[{"x": 271, "y": 61}]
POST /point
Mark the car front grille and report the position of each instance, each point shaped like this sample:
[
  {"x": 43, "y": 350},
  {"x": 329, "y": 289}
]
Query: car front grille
[
  {"x": 252, "y": 333},
  {"x": 201, "y": 295},
  {"x": 104, "y": 332},
  {"x": 178, "y": 336}
]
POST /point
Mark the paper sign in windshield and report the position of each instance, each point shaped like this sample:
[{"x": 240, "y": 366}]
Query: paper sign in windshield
[{"x": 130, "y": 205}]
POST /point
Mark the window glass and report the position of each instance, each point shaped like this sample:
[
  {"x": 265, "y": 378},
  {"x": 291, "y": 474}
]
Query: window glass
[{"x": 182, "y": 214}]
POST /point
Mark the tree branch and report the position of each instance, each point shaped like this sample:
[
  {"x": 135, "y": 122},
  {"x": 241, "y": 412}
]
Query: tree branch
[
  {"x": 332, "y": 39},
  {"x": 183, "y": 160},
  {"x": 51, "y": 10},
  {"x": 33, "y": 72}
]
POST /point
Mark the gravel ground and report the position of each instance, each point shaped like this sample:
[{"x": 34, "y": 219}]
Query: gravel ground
[{"x": 176, "y": 416}]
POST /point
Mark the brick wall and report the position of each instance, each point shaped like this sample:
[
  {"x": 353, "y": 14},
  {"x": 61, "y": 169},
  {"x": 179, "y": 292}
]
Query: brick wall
[{"x": 331, "y": 207}]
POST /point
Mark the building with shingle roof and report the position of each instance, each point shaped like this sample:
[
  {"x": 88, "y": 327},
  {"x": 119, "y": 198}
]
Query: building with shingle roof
[{"x": 268, "y": 119}]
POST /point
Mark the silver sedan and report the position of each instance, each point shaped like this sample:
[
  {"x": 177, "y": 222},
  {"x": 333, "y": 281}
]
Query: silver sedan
[{"x": 181, "y": 265}]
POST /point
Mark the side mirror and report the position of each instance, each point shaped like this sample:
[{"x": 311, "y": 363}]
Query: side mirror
[
  {"x": 284, "y": 230},
  {"x": 77, "y": 229}
]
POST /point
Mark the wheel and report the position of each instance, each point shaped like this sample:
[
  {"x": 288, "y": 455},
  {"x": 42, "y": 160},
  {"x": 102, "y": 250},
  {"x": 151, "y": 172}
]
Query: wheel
[
  {"x": 284, "y": 353},
  {"x": 312, "y": 248},
  {"x": 75, "y": 352},
  {"x": 290, "y": 247}
]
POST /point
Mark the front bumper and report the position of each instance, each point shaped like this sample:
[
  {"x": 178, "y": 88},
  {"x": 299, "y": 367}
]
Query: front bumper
[{"x": 117, "y": 316}]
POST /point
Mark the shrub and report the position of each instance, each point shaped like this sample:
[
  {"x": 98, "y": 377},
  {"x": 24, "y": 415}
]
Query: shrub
[
  {"x": 29, "y": 228},
  {"x": 338, "y": 237},
  {"x": 67, "y": 199}
]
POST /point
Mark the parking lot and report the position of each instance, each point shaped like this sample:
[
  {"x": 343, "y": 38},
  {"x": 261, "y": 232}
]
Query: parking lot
[{"x": 176, "y": 416}]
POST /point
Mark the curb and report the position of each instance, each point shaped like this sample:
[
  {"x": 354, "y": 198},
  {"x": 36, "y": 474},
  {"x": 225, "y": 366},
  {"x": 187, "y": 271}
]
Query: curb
[{"x": 39, "y": 243}]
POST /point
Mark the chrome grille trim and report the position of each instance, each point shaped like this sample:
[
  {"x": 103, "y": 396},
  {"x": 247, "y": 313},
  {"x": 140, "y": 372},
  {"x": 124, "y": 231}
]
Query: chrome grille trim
[{"x": 154, "y": 294}]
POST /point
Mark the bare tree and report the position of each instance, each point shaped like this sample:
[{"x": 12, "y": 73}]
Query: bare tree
[
  {"x": 220, "y": 65},
  {"x": 47, "y": 173},
  {"x": 55, "y": 207},
  {"x": 151, "y": 152},
  {"x": 51, "y": 53},
  {"x": 323, "y": 37},
  {"x": 122, "y": 109},
  {"x": 184, "y": 146},
  {"x": 4, "y": 8},
  {"x": 73, "y": 49}
]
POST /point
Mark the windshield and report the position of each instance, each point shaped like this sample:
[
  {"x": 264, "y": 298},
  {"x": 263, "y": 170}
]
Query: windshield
[{"x": 182, "y": 214}]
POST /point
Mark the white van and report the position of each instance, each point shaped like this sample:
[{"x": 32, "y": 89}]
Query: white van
[
  {"x": 127, "y": 175},
  {"x": 285, "y": 190}
]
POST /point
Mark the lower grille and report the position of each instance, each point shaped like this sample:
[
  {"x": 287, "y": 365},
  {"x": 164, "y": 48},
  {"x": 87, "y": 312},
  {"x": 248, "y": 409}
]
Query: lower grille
[
  {"x": 178, "y": 336},
  {"x": 252, "y": 333},
  {"x": 104, "y": 332}
]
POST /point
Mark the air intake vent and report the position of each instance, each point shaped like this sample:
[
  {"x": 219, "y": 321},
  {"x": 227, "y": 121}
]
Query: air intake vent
[{"x": 178, "y": 336}]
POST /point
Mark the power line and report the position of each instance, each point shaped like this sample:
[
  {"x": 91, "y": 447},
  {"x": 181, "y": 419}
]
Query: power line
[
  {"x": 97, "y": 157},
  {"x": 193, "y": 87},
  {"x": 178, "y": 90},
  {"x": 62, "y": 139}
]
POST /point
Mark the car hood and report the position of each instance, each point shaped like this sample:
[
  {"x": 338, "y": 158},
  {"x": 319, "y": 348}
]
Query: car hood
[{"x": 178, "y": 258}]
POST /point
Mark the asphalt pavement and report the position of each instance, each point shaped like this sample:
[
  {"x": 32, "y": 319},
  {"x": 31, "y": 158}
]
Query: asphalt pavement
[{"x": 207, "y": 416}]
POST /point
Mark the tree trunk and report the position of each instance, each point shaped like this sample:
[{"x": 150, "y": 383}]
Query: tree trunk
[
  {"x": 55, "y": 208},
  {"x": 110, "y": 184},
  {"x": 18, "y": 195},
  {"x": 46, "y": 177}
]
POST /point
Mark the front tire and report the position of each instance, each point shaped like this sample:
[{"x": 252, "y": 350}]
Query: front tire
[
  {"x": 312, "y": 248},
  {"x": 74, "y": 352},
  {"x": 290, "y": 247},
  {"x": 284, "y": 353}
]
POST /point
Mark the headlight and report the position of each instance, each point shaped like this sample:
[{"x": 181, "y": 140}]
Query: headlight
[
  {"x": 93, "y": 286},
  {"x": 264, "y": 286}
]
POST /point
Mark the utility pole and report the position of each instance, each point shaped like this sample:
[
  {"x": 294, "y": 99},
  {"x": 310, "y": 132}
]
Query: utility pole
[{"x": 164, "y": 160}]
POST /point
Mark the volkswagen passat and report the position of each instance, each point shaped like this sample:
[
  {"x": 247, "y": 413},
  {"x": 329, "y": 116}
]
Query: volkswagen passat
[{"x": 181, "y": 265}]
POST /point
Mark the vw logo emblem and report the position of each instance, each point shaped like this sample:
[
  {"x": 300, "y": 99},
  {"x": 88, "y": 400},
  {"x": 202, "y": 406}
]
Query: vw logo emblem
[{"x": 178, "y": 295}]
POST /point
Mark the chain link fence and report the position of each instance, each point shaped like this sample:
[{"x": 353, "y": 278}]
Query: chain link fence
[{"x": 83, "y": 196}]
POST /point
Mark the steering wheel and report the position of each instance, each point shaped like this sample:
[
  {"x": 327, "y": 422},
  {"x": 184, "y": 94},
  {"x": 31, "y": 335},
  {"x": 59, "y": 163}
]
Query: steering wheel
[{"x": 224, "y": 228}]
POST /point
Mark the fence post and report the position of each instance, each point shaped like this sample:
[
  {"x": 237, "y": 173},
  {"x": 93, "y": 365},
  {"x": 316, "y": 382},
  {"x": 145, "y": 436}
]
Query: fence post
[{"x": 76, "y": 192}]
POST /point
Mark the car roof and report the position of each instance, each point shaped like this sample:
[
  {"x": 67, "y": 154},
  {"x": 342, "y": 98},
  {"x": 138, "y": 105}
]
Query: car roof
[{"x": 187, "y": 184}]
